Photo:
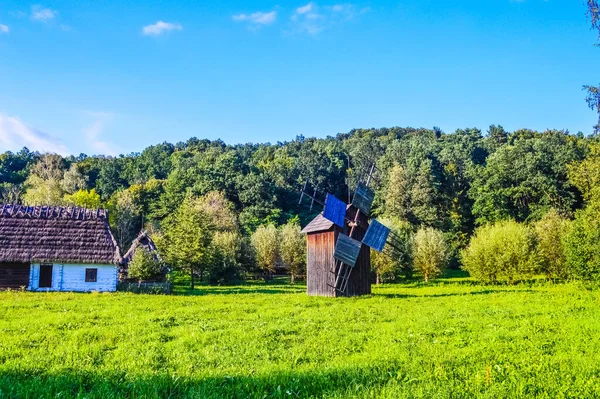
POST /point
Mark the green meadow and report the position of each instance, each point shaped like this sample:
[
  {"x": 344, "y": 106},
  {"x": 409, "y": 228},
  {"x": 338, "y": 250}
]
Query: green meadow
[{"x": 452, "y": 338}]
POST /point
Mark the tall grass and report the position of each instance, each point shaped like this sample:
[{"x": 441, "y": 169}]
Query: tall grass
[{"x": 451, "y": 339}]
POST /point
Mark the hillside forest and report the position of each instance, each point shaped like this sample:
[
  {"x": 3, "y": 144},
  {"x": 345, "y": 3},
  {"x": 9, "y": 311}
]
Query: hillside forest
[{"x": 221, "y": 212}]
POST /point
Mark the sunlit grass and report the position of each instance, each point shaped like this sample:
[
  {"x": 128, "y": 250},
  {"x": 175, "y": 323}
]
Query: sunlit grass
[{"x": 451, "y": 338}]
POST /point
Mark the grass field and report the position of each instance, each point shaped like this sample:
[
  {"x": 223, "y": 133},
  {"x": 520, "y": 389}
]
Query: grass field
[{"x": 451, "y": 339}]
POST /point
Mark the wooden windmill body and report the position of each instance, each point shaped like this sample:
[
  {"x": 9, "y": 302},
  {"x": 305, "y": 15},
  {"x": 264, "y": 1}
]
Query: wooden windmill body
[
  {"x": 321, "y": 238},
  {"x": 339, "y": 242}
]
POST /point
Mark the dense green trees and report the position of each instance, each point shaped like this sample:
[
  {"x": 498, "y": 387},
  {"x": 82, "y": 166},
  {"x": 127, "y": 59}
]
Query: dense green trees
[{"x": 452, "y": 182}]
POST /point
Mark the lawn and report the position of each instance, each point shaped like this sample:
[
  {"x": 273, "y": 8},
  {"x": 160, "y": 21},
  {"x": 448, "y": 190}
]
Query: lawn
[{"x": 451, "y": 339}]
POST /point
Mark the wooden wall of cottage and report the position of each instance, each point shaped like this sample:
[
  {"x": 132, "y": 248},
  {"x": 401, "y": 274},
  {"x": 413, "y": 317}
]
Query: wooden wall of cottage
[{"x": 72, "y": 277}]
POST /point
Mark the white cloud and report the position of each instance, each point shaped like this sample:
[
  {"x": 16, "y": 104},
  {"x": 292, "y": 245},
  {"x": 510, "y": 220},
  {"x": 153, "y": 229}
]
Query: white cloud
[
  {"x": 160, "y": 27},
  {"x": 39, "y": 13},
  {"x": 257, "y": 18},
  {"x": 305, "y": 9},
  {"x": 307, "y": 19},
  {"x": 4, "y": 29},
  {"x": 15, "y": 134},
  {"x": 312, "y": 19},
  {"x": 94, "y": 130}
]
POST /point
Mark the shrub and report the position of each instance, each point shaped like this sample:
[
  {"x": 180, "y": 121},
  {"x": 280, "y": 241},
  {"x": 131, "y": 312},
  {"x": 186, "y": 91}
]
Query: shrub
[
  {"x": 550, "y": 232},
  {"x": 582, "y": 244},
  {"x": 430, "y": 252},
  {"x": 503, "y": 251},
  {"x": 143, "y": 265}
]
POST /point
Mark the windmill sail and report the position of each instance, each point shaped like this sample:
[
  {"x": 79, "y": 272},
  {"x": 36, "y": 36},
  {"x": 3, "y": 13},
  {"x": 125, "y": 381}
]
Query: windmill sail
[{"x": 376, "y": 235}]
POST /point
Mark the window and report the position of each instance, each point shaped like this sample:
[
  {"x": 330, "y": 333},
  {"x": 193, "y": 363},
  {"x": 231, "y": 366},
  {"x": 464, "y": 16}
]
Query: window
[{"x": 91, "y": 275}]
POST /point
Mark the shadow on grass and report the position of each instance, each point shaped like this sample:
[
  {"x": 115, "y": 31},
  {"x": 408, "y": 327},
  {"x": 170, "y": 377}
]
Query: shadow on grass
[
  {"x": 483, "y": 292},
  {"x": 72, "y": 384},
  {"x": 235, "y": 290}
]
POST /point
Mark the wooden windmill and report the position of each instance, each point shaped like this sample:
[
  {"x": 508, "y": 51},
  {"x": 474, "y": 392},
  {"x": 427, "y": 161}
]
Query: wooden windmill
[{"x": 339, "y": 241}]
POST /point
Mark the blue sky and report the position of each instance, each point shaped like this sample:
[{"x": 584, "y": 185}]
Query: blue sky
[{"x": 115, "y": 77}]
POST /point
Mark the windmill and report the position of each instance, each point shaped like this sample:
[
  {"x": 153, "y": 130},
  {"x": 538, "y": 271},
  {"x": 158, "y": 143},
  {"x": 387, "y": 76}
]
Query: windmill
[{"x": 338, "y": 258}]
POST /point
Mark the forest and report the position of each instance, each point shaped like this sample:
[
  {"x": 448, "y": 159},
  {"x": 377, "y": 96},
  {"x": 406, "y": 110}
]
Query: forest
[{"x": 223, "y": 212}]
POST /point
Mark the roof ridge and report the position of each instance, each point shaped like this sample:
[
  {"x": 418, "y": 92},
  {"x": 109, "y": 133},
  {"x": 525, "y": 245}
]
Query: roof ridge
[{"x": 19, "y": 211}]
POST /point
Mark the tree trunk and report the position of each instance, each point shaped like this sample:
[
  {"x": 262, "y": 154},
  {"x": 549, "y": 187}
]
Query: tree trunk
[
  {"x": 377, "y": 278},
  {"x": 192, "y": 278},
  {"x": 426, "y": 277},
  {"x": 292, "y": 279}
]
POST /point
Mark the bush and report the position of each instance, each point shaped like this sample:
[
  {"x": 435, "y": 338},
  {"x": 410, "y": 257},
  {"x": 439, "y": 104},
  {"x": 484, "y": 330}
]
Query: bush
[
  {"x": 143, "y": 265},
  {"x": 503, "y": 251},
  {"x": 550, "y": 233},
  {"x": 582, "y": 244},
  {"x": 430, "y": 252}
]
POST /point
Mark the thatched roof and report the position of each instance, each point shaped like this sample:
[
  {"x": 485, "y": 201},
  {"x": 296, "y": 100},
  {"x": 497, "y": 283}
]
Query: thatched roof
[
  {"x": 56, "y": 235},
  {"x": 143, "y": 240}
]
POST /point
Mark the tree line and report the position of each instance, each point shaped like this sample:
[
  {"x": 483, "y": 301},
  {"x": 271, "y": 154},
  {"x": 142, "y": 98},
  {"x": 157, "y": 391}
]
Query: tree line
[{"x": 221, "y": 198}]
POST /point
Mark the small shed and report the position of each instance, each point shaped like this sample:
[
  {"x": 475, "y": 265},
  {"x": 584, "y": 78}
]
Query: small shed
[
  {"x": 144, "y": 241},
  {"x": 49, "y": 248},
  {"x": 321, "y": 238}
]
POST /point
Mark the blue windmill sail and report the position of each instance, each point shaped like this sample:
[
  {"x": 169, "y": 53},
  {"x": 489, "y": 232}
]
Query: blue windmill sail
[{"x": 335, "y": 210}]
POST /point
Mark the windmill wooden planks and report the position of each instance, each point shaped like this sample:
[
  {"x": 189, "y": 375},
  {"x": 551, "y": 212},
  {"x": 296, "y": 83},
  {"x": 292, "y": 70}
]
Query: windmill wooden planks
[
  {"x": 363, "y": 198},
  {"x": 347, "y": 250},
  {"x": 376, "y": 236},
  {"x": 335, "y": 210}
]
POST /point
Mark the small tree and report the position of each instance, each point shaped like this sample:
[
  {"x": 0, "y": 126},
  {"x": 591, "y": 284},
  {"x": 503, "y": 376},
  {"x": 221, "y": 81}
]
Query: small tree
[
  {"x": 388, "y": 264},
  {"x": 74, "y": 180},
  {"x": 125, "y": 218},
  {"x": 292, "y": 248},
  {"x": 430, "y": 252},
  {"x": 186, "y": 239},
  {"x": 44, "y": 183},
  {"x": 503, "y": 251},
  {"x": 265, "y": 241},
  {"x": 143, "y": 265},
  {"x": 226, "y": 252},
  {"x": 550, "y": 233}
]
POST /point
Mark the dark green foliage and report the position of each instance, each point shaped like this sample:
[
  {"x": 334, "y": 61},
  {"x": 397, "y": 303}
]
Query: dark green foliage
[
  {"x": 523, "y": 179},
  {"x": 582, "y": 243}
]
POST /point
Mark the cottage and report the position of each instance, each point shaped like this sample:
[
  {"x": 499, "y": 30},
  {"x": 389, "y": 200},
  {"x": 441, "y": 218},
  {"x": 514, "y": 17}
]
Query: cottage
[
  {"x": 321, "y": 237},
  {"x": 47, "y": 248}
]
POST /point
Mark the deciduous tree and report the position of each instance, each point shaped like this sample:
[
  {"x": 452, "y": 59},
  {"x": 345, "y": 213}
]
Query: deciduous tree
[
  {"x": 292, "y": 248},
  {"x": 430, "y": 252},
  {"x": 265, "y": 241}
]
